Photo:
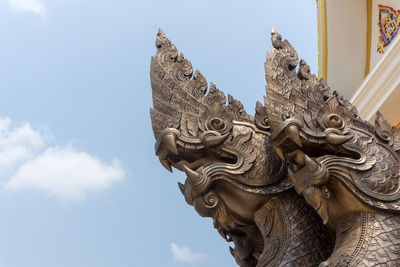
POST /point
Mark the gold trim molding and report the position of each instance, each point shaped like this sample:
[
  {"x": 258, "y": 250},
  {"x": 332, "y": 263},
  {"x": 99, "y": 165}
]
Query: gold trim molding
[
  {"x": 369, "y": 29},
  {"x": 322, "y": 40}
]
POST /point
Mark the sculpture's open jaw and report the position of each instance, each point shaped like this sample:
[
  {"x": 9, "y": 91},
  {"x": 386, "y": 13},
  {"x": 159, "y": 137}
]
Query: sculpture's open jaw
[
  {"x": 227, "y": 233},
  {"x": 174, "y": 149},
  {"x": 222, "y": 231},
  {"x": 292, "y": 136}
]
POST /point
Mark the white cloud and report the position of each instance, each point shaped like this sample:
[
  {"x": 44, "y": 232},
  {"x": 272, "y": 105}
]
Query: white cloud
[
  {"x": 184, "y": 254},
  {"x": 35, "y": 6},
  {"x": 66, "y": 173},
  {"x": 59, "y": 170},
  {"x": 17, "y": 144}
]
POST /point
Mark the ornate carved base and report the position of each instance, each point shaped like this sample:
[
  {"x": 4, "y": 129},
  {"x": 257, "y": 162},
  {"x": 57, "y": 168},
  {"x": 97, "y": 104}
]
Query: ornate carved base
[{"x": 367, "y": 239}]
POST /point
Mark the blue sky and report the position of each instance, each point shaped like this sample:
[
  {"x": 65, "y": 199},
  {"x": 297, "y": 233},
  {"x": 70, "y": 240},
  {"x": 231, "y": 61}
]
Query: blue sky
[{"x": 79, "y": 182}]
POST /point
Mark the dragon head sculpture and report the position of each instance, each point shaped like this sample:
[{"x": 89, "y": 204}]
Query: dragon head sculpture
[
  {"x": 215, "y": 143},
  {"x": 232, "y": 170},
  {"x": 346, "y": 168}
]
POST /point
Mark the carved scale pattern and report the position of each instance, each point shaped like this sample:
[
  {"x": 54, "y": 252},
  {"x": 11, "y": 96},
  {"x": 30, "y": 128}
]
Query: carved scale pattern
[
  {"x": 301, "y": 238},
  {"x": 367, "y": 239},
  {"x": 185, "y": 114}
]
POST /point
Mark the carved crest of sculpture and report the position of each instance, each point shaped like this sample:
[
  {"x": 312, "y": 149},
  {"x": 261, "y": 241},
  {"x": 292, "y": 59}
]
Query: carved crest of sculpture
[{"x": 303, "y": 182}]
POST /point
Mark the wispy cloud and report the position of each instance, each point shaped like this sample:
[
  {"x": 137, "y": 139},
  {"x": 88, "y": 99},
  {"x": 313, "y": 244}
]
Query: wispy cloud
[
  {"x": 59, "y": 170},
  {"x": 35, "y": 6},
  {"x": 66, "y": 173},
  {"x": 184, "y": 254}
]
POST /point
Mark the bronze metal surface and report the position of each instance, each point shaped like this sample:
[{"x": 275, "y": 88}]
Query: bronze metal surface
[
  {"x": 344, "y": 167},
  {"x": 280, "y": 185}
]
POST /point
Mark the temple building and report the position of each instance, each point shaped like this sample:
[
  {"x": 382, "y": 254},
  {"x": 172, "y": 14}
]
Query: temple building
[{"x": 359, "y": 53}]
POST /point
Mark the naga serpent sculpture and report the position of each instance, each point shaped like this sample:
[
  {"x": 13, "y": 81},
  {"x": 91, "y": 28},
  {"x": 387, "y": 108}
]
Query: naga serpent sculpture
[
  {"x": 344, "y": 167},
  {"x": 266, "y": 180},
  {"x": 233, "y": 174}
]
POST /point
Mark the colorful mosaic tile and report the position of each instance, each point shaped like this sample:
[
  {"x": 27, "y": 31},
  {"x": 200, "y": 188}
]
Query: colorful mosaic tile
[{"x": 389, "y": 24}]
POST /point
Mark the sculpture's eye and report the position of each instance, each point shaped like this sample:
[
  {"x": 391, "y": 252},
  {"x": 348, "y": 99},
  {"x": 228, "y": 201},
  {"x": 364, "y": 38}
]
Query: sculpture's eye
[
  {"x": 386, "y": 136},
  {"x": 333, "y": 121},
  {"x": 216, "y": 124}
]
